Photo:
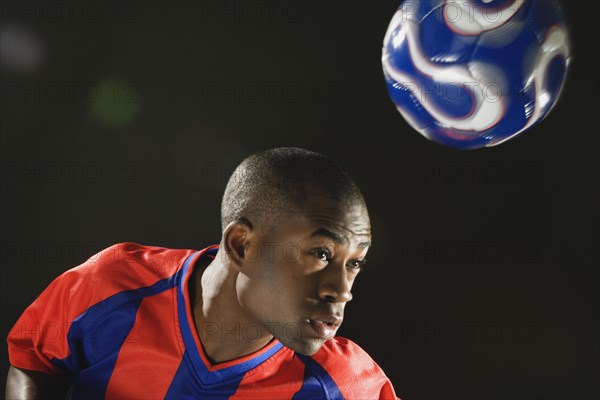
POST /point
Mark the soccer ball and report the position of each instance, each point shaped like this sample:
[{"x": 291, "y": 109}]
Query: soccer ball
[{"x": 475, "y": 73}]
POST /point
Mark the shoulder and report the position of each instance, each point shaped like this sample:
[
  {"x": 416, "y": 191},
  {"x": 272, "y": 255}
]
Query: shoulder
[
  {"x": 353, "y": 370},
  {"x": 159, "y": 259},
  {"x": 80, "y": 301},
  {"x": 344, "y": 353},
  {"x": 125, "y": 266}
]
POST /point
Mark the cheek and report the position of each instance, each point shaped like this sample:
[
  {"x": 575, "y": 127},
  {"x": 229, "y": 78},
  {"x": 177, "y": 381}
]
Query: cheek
[
  {"x": 271, "y": 291},
  {"x": 258, "y": 289},
  {"x": 252, "y": 297}
]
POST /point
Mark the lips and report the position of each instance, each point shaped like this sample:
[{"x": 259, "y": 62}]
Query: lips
[{"x": 325, "y": 326}]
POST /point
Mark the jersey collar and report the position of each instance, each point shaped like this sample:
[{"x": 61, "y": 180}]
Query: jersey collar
[{"x": 207, "y": 372}]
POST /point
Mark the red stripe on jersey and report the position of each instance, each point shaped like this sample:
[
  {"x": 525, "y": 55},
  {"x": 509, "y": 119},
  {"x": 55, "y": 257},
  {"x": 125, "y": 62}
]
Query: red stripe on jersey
[
  {"x": 41, "y": 333},
  {"x": 136, "y": 266},
  {"x": 138, "y": 371},
  {"x": 282, "y": 374},
  {"x": 359, "y": 379}
]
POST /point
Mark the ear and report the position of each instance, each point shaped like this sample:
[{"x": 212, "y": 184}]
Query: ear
[{"x": 236, "y": 241}]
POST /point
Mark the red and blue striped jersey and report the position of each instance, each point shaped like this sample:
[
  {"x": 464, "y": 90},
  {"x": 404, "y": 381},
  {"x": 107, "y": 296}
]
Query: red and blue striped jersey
[{"x": 121, "y": 326}]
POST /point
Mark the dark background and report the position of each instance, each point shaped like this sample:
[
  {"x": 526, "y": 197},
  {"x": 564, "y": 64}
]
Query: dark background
[{"x": 122, "y": 122}]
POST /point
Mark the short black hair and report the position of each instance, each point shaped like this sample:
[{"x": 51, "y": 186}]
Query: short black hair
[{"x": 274, "y": 183}]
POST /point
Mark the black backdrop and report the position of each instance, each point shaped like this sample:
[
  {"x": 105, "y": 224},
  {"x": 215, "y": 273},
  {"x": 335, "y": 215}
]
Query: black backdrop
[{"x": 122, "y": 122}]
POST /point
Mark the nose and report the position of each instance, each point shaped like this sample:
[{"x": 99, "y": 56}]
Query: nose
[{"x": 335, "y": 287}]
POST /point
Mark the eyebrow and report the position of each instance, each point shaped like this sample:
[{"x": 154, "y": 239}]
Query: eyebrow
[{"x": 336, "y": 237}]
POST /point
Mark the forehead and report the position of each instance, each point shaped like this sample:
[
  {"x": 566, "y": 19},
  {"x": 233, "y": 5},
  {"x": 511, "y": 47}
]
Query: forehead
[
  {"x": 316, "y": 203},
  {"x": 325, "y": 217}
]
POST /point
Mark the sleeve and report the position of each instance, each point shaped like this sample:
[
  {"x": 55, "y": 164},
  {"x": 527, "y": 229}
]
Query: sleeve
[
  {"x": 51, "y": 334},
  {"x": 40, "y": 334},
  {"x": 355, "y": 373},
  {"x": 387, "y": 391},
  {"x": 84, "y": 315}
]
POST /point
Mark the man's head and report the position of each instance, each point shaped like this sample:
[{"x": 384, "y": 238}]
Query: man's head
[
  {"x": 274, "y": 184},
  {"x": 296, "y": 228}
]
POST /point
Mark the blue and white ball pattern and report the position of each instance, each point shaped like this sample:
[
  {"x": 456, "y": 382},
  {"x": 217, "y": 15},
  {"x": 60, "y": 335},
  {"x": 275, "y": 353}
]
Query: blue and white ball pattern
[{"x": 475, "y": 73}]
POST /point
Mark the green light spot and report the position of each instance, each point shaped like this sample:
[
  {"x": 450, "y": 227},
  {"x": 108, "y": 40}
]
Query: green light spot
[{"x": 115, "y": 102}]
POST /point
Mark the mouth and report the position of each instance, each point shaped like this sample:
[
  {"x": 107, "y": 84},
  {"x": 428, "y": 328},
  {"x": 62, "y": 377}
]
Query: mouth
[{"x": 325, "y": 326}]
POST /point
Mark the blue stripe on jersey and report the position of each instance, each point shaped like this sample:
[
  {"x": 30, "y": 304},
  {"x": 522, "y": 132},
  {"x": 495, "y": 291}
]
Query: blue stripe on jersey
[
  {"x": 237, "y": 371},
  {"x": 91, "y": 383},
  {"x": 186, "y": 386},
  {"x": 317, "y": 382},
  {"x": 192, "y": 350},
  {"x": 227, "y": 375},
  {"x": 96, "y": 336}
]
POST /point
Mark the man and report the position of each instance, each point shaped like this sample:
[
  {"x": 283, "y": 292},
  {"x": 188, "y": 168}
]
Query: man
[{"x": 252, "y": 318}]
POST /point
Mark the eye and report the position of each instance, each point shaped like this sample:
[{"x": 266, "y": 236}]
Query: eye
[
  {"x": 357, "y": 264},
  {"x": 323, "y": 254}
]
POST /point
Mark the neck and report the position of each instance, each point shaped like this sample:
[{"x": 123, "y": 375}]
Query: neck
[{"x": 224, "y": 328}]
